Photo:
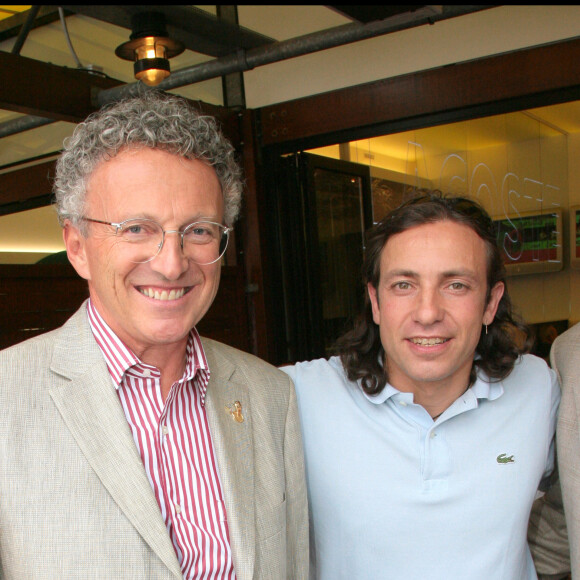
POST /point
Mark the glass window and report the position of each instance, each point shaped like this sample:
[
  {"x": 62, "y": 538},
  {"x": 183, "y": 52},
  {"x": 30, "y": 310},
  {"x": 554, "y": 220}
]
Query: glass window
[{"x": 516, "y": 165}]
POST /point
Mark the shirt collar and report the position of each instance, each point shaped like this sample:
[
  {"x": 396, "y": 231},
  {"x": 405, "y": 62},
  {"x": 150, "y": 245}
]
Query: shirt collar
[
  {"x": 120, "y": 358},
  {"x": 482, "y": 389},
  {"x": 379, "y": 398}
]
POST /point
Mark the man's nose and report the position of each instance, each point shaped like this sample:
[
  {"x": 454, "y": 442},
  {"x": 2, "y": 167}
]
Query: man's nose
[
  {"x": 429, "y": 307},
  {"x": 171, "y": 262}
]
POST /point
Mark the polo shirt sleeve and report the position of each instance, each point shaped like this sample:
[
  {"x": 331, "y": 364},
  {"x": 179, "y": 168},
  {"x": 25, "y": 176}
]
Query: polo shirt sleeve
[{"x": 549, "y": 473}]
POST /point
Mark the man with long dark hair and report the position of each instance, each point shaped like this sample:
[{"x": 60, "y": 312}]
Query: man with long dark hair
[{"x": 429, "y": 435}]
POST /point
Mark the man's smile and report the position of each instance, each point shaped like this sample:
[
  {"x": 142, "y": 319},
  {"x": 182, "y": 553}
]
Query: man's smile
[
  {"x": 432, "y": 341},
  {"x": 160, "y": 294}
]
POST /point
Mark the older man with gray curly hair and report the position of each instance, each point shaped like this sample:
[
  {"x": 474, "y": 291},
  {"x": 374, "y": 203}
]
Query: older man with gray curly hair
[{"x": 131, "y": 447}]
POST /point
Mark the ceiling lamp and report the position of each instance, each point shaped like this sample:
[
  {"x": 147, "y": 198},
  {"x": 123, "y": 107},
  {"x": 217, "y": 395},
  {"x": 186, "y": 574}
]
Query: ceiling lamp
[{"x": 150, "y": 47}]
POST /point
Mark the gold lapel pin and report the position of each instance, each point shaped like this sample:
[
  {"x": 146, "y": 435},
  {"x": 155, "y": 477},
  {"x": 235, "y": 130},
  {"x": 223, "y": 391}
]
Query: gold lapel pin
[{"x": 235, "y": 411}]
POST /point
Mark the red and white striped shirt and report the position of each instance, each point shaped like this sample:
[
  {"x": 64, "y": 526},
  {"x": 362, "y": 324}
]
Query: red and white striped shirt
[{"x": 175, "y": 444}]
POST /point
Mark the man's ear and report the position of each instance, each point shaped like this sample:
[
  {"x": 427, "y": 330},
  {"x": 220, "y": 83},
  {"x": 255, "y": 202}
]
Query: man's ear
[
  {"x": 494, "y": 299},
  {"x": 374, "y": 303},
  {"x": 75, "y": 244}
]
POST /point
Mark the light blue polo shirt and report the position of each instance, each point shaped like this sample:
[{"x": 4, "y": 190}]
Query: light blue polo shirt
[{"x": 396, "y": 495}]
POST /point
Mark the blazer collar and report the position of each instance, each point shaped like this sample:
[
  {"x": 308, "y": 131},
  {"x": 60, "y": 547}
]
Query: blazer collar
[{"x": 92, "y": 412}]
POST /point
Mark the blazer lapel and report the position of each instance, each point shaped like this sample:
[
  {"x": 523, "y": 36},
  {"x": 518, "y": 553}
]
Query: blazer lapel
[
  {"x": 91, "y": 410},
  {"x": 233, "y": 445}
]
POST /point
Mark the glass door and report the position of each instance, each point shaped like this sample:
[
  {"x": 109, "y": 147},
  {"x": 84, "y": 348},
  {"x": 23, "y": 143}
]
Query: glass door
[{"x": 323, "y": 208}]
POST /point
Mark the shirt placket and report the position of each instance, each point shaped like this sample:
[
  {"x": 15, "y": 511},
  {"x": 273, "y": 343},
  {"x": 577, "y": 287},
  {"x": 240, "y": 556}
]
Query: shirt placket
[{"x": 165, "y": 435}]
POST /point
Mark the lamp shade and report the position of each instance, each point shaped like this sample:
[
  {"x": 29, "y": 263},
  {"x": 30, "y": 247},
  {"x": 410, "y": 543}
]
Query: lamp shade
[{"x": 150, "y": 47}]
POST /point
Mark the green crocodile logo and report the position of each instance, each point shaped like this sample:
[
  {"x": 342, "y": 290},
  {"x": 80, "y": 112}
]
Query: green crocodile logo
[{"x": 503, "y": 458}]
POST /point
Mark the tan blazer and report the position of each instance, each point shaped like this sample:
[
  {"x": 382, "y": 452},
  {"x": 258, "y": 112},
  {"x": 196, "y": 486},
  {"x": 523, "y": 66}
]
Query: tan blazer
[
  {"x": 555, "y": 549},
  {"x": 75, "y": 501}
]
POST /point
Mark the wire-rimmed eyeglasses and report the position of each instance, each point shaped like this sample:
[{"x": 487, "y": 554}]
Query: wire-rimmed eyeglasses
[{"x": 202, "y": 242}]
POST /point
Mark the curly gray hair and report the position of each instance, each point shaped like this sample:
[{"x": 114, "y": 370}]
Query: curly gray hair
[{"x": 155, "y": 120}]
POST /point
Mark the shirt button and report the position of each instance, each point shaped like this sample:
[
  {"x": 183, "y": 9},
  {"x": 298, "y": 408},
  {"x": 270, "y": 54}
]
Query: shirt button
[
  {"x": 146, "y": 373},
  {"x": 165, "y": 429},
  {"x": 433, "y": 435},
  {"x": 177, "y": 508},
  {"x": 403, "y": 403}
]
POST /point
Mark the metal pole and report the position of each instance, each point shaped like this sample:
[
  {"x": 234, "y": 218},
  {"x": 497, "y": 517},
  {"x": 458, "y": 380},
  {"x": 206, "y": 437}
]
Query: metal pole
[
  {"x": 23, "y": 34},
  {"x": 23, "y": 124}
]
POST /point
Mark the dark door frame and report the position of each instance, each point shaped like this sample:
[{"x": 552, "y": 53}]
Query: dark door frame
[{"x": 296, "y": 255}]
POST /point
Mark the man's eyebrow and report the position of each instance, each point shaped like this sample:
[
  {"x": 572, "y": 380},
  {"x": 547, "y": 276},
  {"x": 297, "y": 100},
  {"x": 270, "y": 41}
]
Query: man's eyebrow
[
  {"x": 200, "y": 217},
  {"x": 401, "y": 272},
  {"x": 404, "y": 273},
  {"x": 463, "y": 272}
]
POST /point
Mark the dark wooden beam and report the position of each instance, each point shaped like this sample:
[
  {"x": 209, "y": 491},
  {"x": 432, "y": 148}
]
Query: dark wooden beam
[
  {"x": 253, "y": 239},
  {"x": 46, "y": 90},
  {"x": 26, "y": 188},
  {"x": 507, "y": 78}
]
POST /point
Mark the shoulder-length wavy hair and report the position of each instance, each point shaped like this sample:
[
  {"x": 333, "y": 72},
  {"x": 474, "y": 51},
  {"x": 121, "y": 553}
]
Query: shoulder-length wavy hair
[
  {"x": 152, "y": 119},
  {"x": 361, "y": 350}
]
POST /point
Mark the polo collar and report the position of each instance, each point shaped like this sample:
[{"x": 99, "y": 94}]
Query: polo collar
[{"x": 481, "y": 389}]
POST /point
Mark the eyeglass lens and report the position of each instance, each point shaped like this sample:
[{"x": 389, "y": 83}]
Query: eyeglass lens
[{"x": 202, "y": 242}]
